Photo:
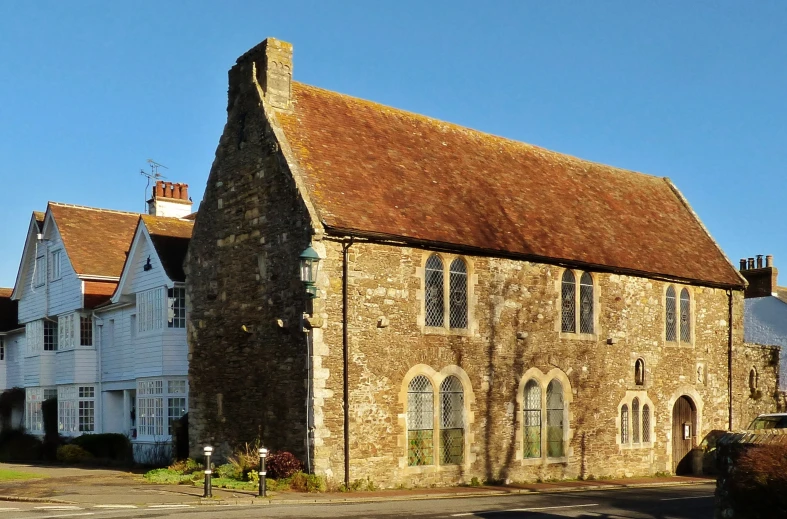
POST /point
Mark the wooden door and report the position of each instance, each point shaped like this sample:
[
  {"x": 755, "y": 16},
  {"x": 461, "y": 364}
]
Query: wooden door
[{"x": 684, "y": 433}]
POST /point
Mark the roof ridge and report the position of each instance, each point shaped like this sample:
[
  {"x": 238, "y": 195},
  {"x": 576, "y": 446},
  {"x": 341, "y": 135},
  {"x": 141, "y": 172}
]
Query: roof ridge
[
  {"x": 557, "y": 154},
  {"x": 178, "y": 218},
  {"x": 100, "y": 209}
]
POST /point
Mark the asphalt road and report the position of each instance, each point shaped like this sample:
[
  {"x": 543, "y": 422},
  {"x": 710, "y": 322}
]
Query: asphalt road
[{"x": 683, "y": 502}]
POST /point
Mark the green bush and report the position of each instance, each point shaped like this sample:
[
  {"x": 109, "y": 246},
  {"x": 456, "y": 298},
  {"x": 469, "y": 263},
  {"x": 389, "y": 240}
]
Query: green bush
[
  {"x": 18, "y": 446},
  {"x": 187, "y": 466},
  {"x": 302, "y": 482},
  {"x": 108, "y": 446},
  {"x": 72, "y": 454},
  {"x": 230, "y": 471},
  {"x": 170, "y": 477}
]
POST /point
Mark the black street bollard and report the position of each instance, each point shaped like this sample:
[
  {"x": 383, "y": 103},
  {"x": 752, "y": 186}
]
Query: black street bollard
[
  {"x": 263, "y": 484},
  {"x": 208, "y": 490}
]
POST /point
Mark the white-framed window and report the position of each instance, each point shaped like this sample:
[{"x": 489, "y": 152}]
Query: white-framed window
[
  {"x": 39, "y": 276},
  {"x": 76, "y": 409},
  {"x": 34, "y": 417},
  {"x": 446, "y": 305},
  {"x": 86, "y": 330},
  {"x": 66, "y": 332},
  {"x": 34, "y": 337},
  {"x": 577, "y": 313},
  {"x": 159, "y": 404},
  {"x": 176, "y": 307},
  {"x": 150, "y": 315},
  {"x": 50, "y": 336},
  {"x": 87, "y": 408},
  {"x": 55, "y": 262}
]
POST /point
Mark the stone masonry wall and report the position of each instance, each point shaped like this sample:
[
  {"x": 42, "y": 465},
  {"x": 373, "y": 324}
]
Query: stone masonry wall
[
  {"x": 247, "y": 361},
  {"x": 764, "y": 398},
  {"x": 515, "y": 318}
]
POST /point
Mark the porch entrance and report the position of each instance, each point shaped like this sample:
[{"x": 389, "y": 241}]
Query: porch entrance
[{"x": 684, "y": 434}]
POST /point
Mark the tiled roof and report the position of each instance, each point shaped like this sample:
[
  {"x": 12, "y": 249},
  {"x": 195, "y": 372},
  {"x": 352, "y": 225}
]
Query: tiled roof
[
  {"x": 170, "y": 237},
  {"x": 378, "y": 170},
  {"x": 96, "y": 240},
  {"x": 39, "y": 216},
  {"x": 6, "y": 292},
  {"x": 98, "y": 292}
]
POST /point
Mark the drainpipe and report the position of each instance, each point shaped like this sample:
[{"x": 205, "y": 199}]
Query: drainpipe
[
  {"x": 729, "y": 355},
  {"x": 346, "y": 355},
  {"x": 99, "y": 351}
]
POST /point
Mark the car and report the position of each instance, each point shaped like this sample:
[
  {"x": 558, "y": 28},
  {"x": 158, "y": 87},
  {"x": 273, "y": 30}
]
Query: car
[{"x": 769, "y": 421}]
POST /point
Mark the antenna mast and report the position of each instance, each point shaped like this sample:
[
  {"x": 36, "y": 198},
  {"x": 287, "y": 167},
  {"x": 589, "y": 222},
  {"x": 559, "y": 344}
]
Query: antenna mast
[{"x": 153, "y": 175}]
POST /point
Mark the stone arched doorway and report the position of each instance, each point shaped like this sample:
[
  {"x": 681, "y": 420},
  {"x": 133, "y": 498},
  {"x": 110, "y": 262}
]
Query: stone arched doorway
[{"x": 684, "y": 434}]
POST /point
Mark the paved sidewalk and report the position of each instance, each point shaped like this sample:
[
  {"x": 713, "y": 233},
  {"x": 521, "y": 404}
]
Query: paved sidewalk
[{"x": 85, "y": 486}]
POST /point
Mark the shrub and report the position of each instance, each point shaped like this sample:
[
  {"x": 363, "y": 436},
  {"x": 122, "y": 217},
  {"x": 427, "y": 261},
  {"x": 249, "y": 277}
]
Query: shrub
[
  {"x": 230, "y": 471},
  {"x": 72, "y": 454},
  {"x": 169, "y": 477},
  {"x": 282, "y": 464},
  {"x": 108, "y": 446},
  {"x": 10, "y": 399},
  {"x": 302, "y": 482},
  {"x": 186, "y": 466},
  {"x": 246, "y": 458},
  {"x": 18, "y": 446},
  {"x": 759, "y": 481}
]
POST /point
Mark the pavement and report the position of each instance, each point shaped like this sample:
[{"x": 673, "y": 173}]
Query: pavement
[{"x": 115, "y": 488}]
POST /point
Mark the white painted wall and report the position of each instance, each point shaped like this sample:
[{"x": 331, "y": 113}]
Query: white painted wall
[
  {"x": 765, "y": 322},
  {"x": 75, "y": 366},
  {"x": 14, "y": 360},
  {"x": 112, "y": 404}
]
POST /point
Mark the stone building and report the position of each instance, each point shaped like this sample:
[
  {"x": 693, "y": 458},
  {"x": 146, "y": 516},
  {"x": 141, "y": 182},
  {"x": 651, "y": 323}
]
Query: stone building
[{"x": 484, "y": 308}]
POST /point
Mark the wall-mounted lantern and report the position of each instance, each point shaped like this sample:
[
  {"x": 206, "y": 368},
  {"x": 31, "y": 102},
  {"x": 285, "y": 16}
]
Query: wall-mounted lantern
[{"x": 310, "y": 264}]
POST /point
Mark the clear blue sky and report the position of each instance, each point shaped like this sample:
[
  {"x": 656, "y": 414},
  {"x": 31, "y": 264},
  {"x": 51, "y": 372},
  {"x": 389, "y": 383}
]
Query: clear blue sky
[{"x": 690, "y": 90}]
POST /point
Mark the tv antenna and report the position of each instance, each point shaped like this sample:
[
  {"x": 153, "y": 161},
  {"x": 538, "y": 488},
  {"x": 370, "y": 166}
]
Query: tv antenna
[{"x": 152, "y": 175}]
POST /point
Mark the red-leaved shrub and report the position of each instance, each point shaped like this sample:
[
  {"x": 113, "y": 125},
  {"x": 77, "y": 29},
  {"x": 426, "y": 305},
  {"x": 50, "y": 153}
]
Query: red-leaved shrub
[
  {"x": 282, "y": 464},
  {"x": 759, "y": 481}
]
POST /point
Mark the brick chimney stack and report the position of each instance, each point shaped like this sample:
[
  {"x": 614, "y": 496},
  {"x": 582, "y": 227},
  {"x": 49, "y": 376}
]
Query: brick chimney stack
[
  {"x": 762, "y": 279},
  {"x": 272, "y": 64},
  {"x": 170, "y": 200}
]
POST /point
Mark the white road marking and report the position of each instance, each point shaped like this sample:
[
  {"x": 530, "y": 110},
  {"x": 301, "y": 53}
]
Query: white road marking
[
  {"x": 9, "y": 510},
  {"x": 115, "y": 507},
  {"x": 58, "y": 508},
  {"x": 681, "y": 498},
  {"x": 170, "y": 506},
  {"x": 536, "y": 509},
  {"x": 66, "y": 515}
]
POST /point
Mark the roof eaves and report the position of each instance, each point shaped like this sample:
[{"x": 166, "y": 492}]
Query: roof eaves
[{"x": 338, "y": 234}]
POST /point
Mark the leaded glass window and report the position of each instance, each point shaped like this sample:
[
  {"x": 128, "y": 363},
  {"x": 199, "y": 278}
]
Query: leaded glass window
[
  {"x": 434, "y": 291},
  {"x": 646, "y": 423},
  {"x": 671, "y": 330},
  {"x": 458, "y": 294},
  {"x": 624, "y": 424},
  {"x": 420, "y": 421},
  {"x": 568, "y": 303},
  {"x": 635, "y": 420},
  {"x": 452, "y": 422},
  {"x": 555, "y": 419},
  {"x": 532, "y": 420},
  {"x": 685, "y": 316},
  {"x": 586, "y": 303}
]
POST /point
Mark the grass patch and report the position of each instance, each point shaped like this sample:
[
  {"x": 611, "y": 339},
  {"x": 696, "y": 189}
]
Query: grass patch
[
  {"x": 11, "y": 475},
  {"x": 169, "y": 477}
]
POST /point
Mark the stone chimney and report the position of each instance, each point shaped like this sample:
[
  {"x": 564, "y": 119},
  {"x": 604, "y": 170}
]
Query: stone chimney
[
  {"x": 170, "y": 200},
  {"x": 272, "y": 60},
  {"x": 762, "y": 279}
]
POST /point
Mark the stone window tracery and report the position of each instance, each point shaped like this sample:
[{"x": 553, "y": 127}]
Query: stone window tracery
[
  {"x": 446, "y": 305},
  {"x": 635, "y": 420},
  {"x": 532, "y": 420},
  {"x": 624, "y": 424},
  {"x": 677, "y": 315},
  {"x": 452, "y": 422},
  {"x": 420, "y": 421},
  {"x": 577, "y": 310},
  {"x": 639, "y": 372},
  {"x": 544, "y": 417}
]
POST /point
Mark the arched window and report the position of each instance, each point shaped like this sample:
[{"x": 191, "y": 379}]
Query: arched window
[
  {"x": 646, "y": 423},
  {"x": 624, "y": 424},
  {"x": 671, "y": 330},
  {"x": 420, "y": 421},
  {"x": 639, "y": 372},
  {"x": 434, "y": 291},
  {"x": 452, "y": 422},
  {"x": 635, "y": 420},
  {"x": 555, "y": 419},
  {"x": 568, "y": 302},
  {"x": 586, "y": 303},
  {"x": 458, "y": 294},
  {"x": 754, "y": 381},
  {"x": 532, "y": 420},
  {"x": 685, "y": 313}
]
